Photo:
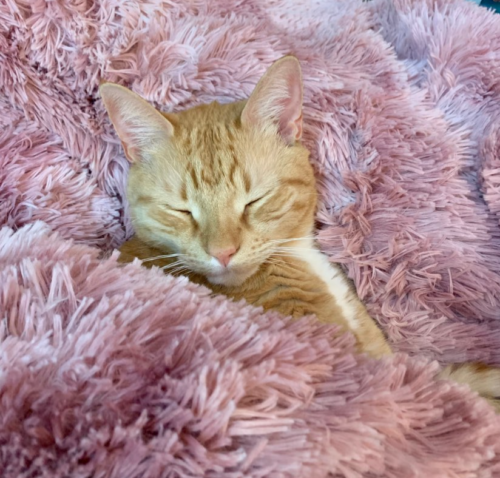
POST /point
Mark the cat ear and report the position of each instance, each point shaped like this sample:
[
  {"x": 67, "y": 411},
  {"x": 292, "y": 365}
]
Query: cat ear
[
  {"x": 277, "y": 100},
  {"x": 140, "y": 127}
]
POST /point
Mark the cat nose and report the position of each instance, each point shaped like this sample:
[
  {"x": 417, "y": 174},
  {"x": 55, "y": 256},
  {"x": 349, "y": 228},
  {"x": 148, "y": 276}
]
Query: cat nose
[{"x": 224, "y": 255}]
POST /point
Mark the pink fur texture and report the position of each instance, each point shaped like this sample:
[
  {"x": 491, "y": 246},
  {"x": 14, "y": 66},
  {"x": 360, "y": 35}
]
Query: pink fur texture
[{"x": 125, "y": 372}]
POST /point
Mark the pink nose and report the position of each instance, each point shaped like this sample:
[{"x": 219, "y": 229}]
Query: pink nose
[{"x": 224, "y": 255}]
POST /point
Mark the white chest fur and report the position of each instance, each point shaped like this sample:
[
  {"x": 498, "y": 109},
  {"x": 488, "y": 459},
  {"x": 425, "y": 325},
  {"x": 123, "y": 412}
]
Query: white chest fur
[{"x": 333, "y": 277}]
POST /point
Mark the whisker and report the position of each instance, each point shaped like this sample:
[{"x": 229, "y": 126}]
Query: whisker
[
  {"x": 283, "y": 241},
  {"x": 170, "y": 266},
  {"x": 166, "y": 256},
  {"x": 180, "y": 270},
  {"x": 288, "y": 254},
  {"x": 286, "y": 257},
  {"x": 293, "y": 247},
  {"x": 287, "y": 249},
  {"x": 175, "y": 269}
]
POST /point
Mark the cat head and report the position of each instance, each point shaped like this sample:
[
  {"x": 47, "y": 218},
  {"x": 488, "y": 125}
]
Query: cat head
[{"x": 225, "y": 187}]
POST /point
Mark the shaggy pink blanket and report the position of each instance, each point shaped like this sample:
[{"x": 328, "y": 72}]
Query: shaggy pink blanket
[{"x": 111, "y": 372}]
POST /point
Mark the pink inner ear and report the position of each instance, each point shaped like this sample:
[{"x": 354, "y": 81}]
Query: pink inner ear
[
  {"x": 277, "y": 98},
  {"x": 137, "y": 123},
  {"x": 294, "y": 110},
  {"x": 290, "y": 122}
]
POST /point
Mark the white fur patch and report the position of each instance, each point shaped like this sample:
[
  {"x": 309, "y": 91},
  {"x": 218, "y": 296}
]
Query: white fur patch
[
  {"x": 195, "y": 211},
  {"x": 333, "y": 277},
  {"x": 215, "y": 266}
]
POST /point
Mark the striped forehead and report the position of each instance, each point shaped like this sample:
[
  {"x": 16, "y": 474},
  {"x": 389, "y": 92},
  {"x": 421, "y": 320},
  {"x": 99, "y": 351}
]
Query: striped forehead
[{"x": 212, "y": 158}]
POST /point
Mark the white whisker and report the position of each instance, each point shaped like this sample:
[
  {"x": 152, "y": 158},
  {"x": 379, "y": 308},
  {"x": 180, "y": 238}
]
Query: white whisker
[
  {"x": 167, "y": 256},
  {"x": 171, "y": 265},
  {"x": 290, "y": 249},
  {"x": 179, "y": 270},
  {"x": 292, "y": 239},
  {"x": 288, "y": 254}
]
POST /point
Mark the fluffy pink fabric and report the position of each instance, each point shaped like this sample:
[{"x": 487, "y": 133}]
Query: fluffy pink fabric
[{"x": 114, "y": 372}]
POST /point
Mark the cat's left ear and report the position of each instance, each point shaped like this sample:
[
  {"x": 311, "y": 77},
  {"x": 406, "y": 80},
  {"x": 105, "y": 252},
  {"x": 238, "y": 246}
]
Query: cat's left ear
[
  {"x": 277, "y": 100},
  {"x": 141, "y": 128}
]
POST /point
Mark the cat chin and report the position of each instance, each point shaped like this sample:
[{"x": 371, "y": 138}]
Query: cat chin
[{"x": 231, "y": 278}]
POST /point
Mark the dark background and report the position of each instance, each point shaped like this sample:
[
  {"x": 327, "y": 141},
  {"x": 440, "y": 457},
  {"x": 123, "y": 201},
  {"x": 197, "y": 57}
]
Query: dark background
[{"x": 495, "y": 4}]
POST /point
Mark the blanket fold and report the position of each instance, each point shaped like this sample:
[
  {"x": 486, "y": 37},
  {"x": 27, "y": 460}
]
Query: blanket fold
[{"x": 121, "y": 371}]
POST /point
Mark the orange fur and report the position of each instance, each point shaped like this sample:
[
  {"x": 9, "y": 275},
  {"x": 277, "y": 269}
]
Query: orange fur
[
  {"x": 284, "y": 284},
  {"x": 233, "y": 181}
]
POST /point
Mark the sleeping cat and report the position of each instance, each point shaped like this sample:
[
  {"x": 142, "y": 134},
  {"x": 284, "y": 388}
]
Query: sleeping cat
[{"x": 225, "y": 194}]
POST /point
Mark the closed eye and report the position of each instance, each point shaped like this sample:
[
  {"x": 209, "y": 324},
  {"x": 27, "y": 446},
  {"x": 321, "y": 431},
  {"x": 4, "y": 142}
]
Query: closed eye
[
  {"x": 251, "y": 203},
  {"x": 183, "y": 211},
  {"x": 187, "y": 212}
]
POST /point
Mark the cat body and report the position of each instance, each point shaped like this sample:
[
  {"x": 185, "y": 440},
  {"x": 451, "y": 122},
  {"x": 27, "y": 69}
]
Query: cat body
[
  {"x": 225, "y": 194},
  {"x": 305, "y": 284}
]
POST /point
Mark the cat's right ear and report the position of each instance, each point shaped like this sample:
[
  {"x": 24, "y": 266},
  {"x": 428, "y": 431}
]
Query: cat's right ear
[{"x": 141, "y": 128}]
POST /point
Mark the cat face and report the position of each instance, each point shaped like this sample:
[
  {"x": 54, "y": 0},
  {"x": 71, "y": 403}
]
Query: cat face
[{"x": 225, "y": 187}]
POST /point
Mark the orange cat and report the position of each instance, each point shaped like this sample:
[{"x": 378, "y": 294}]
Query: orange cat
[{"x": 226, "y": 195}]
